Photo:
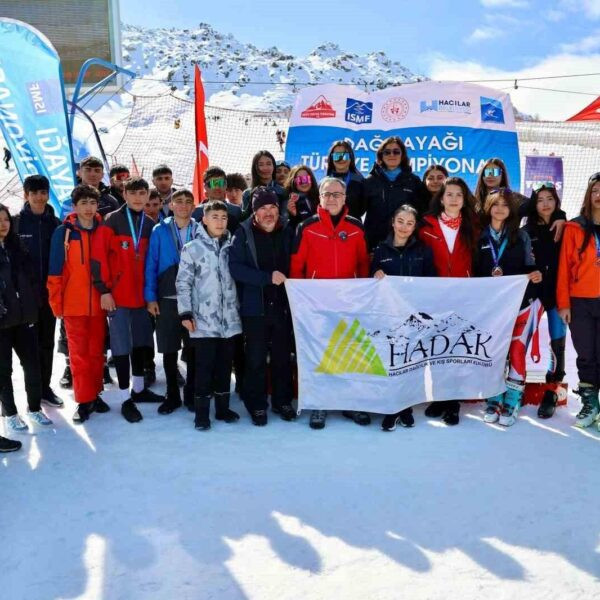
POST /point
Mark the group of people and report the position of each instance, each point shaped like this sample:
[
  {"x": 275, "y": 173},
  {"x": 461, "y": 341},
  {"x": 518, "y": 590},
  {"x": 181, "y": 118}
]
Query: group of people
[{"x": 208, "y": 279}]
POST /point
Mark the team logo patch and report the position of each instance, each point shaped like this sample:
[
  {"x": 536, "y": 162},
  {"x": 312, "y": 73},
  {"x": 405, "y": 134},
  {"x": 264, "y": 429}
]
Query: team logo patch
[
  {"x": 358, "y": 112},
  {"x": 394, "y": 109},
  {"x": 125, "y": 245},
  {"x": 321, "y": 108},
  {"x": 491, "y": 111}
]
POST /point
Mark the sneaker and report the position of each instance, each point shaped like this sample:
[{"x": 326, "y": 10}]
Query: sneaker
[
  {"x": 285, "y": 411},
  {"x": 180, "y": 379},
  {"x": 359, "y": 417},
  {"x": 492, "y": 413},
  {"x": 149, "y": 377},
  {"x": 51, "y": 399},
  {"x": 508, "y": 416},
  {"x": 106, "y": 377},
  {"x": 259, "y": 417},
  {"x": 66, "y": 381},
  {"x": 589, "y": 409},
  {"x": 227, "y": 415},
  {"x": 146, "y": 395},
  {"x": 39, "y": 418},
  {"x": 390, "y": 421},
  {"x": 7, "y": 445},
  {"x": 130, "y": 411},
  {"x": 15, "y": 423},
  {"x": 406, "y": 417},
  {"x": 318, "y": 419},
  {"x": 169, "y": 406},
  {"x": 435, "y": 410},
  {"x": 82, "y": 412},
  {"x": 547, "y": 405},
  {"x": 99, "y": 406}
]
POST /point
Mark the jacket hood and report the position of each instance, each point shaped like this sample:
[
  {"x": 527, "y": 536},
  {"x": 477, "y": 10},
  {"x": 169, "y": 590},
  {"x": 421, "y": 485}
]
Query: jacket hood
[{"x": 71, "y": 221}]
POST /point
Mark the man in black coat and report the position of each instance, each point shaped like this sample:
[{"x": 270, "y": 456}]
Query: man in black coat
[
  {"x": 259, "y": 262},
  {"x": 35, "y": 225}
]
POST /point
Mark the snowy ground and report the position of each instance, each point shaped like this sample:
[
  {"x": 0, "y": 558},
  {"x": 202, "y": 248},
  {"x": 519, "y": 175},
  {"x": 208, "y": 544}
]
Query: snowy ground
[{"x": 158, "y": 510}]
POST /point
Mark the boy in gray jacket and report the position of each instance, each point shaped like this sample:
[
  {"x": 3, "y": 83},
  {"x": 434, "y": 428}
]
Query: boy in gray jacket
[{"x": 208, "y": 307}]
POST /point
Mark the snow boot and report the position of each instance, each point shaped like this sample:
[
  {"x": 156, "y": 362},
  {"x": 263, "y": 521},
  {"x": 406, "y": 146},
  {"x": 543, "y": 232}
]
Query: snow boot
[
  {"x": 512, "y": 403},
  {"x": 494, "y": 406},
  {"x": 556, "y": 372},
  {"x": 547, "y": 405},
  {"x": 451, "y": 413},
  {"x": 286, "y": 412},
  {"x": 222, "y": 410},
  {"x": 359, "y": 417},
  {"x": 202, "y": 408},
  {"x": 259, "y": 417},
  {"x": 318, "y": 419},
  {"x": 435, "y": 410},
  {"x": 589, "y": 409}
]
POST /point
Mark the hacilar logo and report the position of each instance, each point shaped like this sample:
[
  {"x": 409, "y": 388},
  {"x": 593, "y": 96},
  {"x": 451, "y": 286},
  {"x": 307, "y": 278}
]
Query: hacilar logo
[
  {"x": 358, "y": 112},
  {"x": 321, "y": 108},
  {"x": 411, "y": 344}
]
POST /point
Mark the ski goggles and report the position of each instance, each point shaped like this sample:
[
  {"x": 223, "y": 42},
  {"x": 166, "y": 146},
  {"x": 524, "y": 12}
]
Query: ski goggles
[
  {"x": 216, "y": 183},
  {"x": 505, "y": 191},
  {"x": 122, "y": 176},
  {"x": 282, "y": 163},
  {"x": 541, "y": 185},
  {"x": 492, "y": 172},
  {"x": 302, "y": 180},
  {"x": 339, "y": 156},
  {"x": 594, "y": 178}
]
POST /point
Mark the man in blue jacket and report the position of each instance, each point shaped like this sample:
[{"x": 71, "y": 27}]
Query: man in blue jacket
[
  {"x": 162, "y": 263},
  {"x": 259, "y": 262}
]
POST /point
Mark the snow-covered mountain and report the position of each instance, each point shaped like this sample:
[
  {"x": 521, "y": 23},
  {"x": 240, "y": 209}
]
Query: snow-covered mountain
[{"x": 170, "y": 54}]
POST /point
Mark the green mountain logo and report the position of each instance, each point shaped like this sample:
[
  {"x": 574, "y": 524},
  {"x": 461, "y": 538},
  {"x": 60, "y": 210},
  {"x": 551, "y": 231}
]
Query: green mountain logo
[{"x": 350, "y": 351}]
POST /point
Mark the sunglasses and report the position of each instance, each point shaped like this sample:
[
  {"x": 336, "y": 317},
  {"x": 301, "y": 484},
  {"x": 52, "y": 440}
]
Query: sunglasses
[
  {"x": 492, "y": 172},
  {"x": 216, "y": 183},
  {"x": 339, "y": 156},
  {"x": 394, "y": 152},
  {"x": 501, "y": 190},
  {"x": 540, "y": 185},
  {"x": 302, "y": 180}
]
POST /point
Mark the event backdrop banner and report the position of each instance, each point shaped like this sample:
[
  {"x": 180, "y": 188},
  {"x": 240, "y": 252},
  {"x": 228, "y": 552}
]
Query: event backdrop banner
[
  {"x": 33, "y": 109},
  {"x": 539, "y": 169},
  {"x": 458, "y": 125},
  {"x": 381, "y": 346}
]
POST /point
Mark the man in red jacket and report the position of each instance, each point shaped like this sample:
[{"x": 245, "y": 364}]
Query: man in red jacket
[
  {"x": 118, "y": 257},
  {"x": 331, "y": 245}
]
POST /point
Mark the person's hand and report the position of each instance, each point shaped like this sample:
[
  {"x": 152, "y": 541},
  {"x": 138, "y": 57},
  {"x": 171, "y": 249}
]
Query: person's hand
[
  {"x": 153, "y": 308},
  {"x": 565, "y": 315},
  {"x": 107, "y": 302},
  {"x": 379, "y": 274},
  {"x": 291, "y": 205},
  {"x": 558, "y": 227},
  {"x": 278, "y": 278},
  {"x": 535, "y": 276},
  {"x": 189, "y": 325}
]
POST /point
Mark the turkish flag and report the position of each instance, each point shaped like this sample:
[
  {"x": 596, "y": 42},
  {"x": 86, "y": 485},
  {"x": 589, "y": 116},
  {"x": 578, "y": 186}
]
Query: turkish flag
[
  {"x": 589, "y": 113},
  {"x": 201, "y": 138}
]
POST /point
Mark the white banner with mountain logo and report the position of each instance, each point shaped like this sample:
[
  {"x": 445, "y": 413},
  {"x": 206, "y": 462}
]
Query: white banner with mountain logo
[{"x": 381, "y": 346}]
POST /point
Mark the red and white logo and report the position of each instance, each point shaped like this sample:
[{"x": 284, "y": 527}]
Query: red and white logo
[
  {"x": 320, "y": 109},
  {"x": 394, "y": 109}
]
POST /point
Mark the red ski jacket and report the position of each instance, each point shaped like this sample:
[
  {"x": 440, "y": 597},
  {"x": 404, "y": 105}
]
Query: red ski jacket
[
  {"x": 324, "y": 252},
  {"x": 116, "y": 266}
]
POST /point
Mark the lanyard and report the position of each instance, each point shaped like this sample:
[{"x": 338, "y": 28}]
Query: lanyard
[
  {"x": 188, "y": 235},
  {"x": 497, "y": 255},
  {"x": 136, "y": 239},
  {"x": 597, "y": 247}
]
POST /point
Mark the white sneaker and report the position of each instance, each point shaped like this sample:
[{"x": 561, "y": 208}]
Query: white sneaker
[
  {"x": 586, "y": 416},
  {"x": 508, "y": 416},
  {"x": 15, "y": 423},
  {"x": 491, "y": 414},
  {"x": 39, "y": 418}
]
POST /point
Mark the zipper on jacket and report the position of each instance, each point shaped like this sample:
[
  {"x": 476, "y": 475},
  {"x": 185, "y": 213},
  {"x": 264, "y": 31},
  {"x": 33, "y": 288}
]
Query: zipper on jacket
[{"x": 89, "y": 236}]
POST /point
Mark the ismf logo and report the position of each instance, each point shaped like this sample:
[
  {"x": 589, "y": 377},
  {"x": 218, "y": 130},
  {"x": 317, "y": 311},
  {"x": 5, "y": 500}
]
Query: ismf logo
[
  {"x": 491, "y": 110},
  {"x": 350, "y": 351},
  {"x": 320, "y": 109},
  {"x": 359, "y": 112},
  {"x": 45, "y": 96},
  {"x": 394, "y": 109}
]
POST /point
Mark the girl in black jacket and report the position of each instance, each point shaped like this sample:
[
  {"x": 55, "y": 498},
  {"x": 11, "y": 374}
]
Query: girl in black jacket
[
  {"x": 544, "y": 210},
  {"x": 504, "y": 249},
  {"x": 390, "y": 185},
  {"x": 19, "y": 302},
  {"x": 303, "y": 192},
  {"x": 342, "y": 164},
  {"x": 404, "y": 255}
]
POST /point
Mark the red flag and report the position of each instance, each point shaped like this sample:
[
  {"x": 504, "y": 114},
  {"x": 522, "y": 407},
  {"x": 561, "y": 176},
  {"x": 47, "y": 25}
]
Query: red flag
[
  {"x": 589, "y": 113},
  {"x": 201, "y": 138},
  {"x": 135, "y": 172}
]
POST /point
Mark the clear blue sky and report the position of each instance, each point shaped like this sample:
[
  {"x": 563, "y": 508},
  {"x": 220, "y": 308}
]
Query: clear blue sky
[{"x": 507, "y": 35}]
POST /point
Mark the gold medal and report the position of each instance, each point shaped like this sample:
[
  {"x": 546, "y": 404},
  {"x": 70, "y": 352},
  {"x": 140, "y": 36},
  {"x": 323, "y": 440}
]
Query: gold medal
[{"x": 497, "y": 271}]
